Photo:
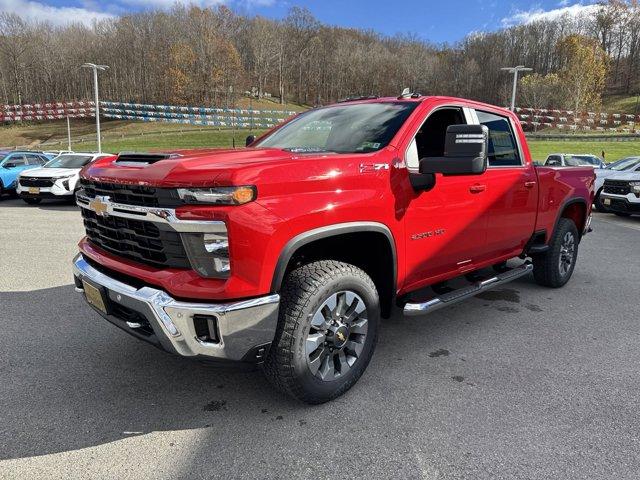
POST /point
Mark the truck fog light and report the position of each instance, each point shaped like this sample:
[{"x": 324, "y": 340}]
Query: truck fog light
[{"x": 208, "y": 253}]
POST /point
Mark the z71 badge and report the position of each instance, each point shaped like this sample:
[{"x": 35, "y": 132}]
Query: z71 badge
[{"x": 433, "y": 233}]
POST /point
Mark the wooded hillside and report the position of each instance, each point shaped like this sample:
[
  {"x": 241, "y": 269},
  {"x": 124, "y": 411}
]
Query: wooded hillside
[{"x": 212, "y": 56}]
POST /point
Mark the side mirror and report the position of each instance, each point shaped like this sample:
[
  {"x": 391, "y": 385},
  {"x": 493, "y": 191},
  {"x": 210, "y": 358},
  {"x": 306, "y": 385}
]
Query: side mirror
[
  {"x": 250, "y": 139},
  {"x": 465, "y": 152}
]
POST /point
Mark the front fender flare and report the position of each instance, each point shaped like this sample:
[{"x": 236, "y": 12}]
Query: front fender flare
[{"x": 324, "y": 232}]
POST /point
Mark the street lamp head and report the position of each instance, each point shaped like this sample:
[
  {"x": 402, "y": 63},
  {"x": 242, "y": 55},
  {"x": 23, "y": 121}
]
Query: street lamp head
[
  {"x": 93, "y": 65},
  {"x": 519, "y": 68}
]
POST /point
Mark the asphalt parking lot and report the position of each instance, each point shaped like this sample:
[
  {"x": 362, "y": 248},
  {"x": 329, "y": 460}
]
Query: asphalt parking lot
[{"x": 525, "y": 382}]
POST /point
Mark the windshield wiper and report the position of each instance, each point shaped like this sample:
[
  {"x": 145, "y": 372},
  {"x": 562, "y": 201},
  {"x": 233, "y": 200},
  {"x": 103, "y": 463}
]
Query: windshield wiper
[{"x": 306, "y": 149}]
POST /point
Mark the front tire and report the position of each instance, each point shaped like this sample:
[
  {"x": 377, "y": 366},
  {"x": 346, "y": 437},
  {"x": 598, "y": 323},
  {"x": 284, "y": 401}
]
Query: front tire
[
  {"x": 327, "y": 331},
  {"x": 622, "y": 214},
  {"x": 598, "y": 203},
  {"x": 555, "y": 267}
]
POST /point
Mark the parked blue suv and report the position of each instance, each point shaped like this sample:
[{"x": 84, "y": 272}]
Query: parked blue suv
[{"x": 12, "y": 163}]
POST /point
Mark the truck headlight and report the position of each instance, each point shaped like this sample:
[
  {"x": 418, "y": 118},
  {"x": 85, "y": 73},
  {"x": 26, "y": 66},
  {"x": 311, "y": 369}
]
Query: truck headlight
[
  {"x": 635, "y": 187},
  {"x": 208, "y": 253},
  {"x": 219, "y": 195}
]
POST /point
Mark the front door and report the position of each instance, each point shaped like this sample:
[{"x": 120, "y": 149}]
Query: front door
[{"x": 445, "y": 226}]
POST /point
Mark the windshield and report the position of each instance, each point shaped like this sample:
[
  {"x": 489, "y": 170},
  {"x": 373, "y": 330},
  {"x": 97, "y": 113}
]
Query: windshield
[
  {"x": 354, "y": 128},
  {"x": 69, "y": 161},
  {"x": 581, "y": 160},
  {"x": 2, "y": 157},
  {"x": 625, "y": 164}
]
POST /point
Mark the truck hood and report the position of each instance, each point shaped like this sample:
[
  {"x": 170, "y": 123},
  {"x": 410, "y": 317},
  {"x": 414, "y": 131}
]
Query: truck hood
[
  {"x": 631, "y": 176},
  {"x": 50, "y": 172},
  {"x": 192, "y": 168}
]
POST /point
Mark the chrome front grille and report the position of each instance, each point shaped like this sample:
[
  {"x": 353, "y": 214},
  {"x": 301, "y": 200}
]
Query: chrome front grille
[
  {"x": 137, "y": 240},
  {"x": 139, "y": 195}
]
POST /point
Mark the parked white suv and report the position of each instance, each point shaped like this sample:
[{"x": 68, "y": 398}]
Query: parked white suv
[
  {"x": 56, "y": 179},
  {"x": 628, "y": 164},
  {"x": 621, "y": 193}
]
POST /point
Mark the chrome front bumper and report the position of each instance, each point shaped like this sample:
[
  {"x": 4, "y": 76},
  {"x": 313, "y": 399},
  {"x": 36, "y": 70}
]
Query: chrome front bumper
[{"x": 245, "y": 328}]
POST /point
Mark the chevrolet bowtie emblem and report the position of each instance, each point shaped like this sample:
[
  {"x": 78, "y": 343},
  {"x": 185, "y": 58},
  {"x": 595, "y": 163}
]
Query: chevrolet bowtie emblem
[
  {"x": 100, "y": 205},
  {"x": 341, "y": 336}
]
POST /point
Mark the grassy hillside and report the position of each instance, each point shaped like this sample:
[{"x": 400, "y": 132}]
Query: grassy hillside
[
  {"x": 613, "y": 150},
  {"x": 32, "y": 134},
  {"x": 172, "y": 140},
  {"x": 621, "y": 104}
]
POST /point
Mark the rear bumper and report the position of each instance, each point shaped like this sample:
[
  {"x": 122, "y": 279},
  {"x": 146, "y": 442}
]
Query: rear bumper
[{"x": 244, "y": 329}]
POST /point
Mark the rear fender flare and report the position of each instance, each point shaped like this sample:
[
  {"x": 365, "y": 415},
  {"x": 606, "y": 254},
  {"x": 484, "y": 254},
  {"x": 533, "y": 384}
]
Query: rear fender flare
[{"x": 565, "y": 205}]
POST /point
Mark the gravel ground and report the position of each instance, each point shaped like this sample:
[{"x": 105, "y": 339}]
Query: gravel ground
[{"x": 525, "y": 382}]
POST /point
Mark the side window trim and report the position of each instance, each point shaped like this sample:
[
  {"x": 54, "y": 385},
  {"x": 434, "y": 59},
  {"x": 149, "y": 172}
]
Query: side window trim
[
  {"x": 467, "y": 112},
  {"x": 513, "y": 134}
]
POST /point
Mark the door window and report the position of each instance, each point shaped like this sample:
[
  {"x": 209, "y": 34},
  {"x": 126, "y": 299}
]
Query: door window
[
  {"x": 34, "y": 160},
  {"x": 430, "y": 139},
  {"x": 17, "y": 160},
  {"x": 553, "y": 161},
  {"x": 503, "y": 148}
]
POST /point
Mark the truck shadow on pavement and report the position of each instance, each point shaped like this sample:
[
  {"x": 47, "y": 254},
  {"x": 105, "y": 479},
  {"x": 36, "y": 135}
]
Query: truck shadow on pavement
[
  {"x": 53, "y": 205},
  {"x": 71, "y": 380}
]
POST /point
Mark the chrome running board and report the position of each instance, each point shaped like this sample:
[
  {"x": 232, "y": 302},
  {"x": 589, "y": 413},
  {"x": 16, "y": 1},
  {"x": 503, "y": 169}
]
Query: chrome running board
[{"x": 413, "y": 309}]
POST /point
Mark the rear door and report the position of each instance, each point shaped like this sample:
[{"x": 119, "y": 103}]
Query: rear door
[{"x": 512, "y": 190}]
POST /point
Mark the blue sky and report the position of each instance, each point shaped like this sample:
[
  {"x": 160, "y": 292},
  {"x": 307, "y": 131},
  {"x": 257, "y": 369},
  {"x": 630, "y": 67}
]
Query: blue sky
[{"x": 433, "y": 20}]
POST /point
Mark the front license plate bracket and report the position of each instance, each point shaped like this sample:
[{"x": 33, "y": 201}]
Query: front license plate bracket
[{"x": 96, "y": 296}]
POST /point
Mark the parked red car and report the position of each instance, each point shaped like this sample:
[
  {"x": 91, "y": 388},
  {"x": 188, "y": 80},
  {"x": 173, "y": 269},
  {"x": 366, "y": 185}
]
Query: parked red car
[{"x": 288, "y": 252}]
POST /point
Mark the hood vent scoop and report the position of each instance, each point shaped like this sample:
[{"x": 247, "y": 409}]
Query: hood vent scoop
[{"x": 141, "y": 159}]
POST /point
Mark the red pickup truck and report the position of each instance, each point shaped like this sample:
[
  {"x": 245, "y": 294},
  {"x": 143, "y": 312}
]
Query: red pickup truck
[{"x": 288, "y": 252}]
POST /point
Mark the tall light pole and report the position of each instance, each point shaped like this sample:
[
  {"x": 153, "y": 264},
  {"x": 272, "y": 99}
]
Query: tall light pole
[
  {"x": 515, "y": 71},
  {"x": 97, "y": 101}
]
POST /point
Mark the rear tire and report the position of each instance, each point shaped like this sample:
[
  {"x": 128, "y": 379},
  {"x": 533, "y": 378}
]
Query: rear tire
[
  {"x": 622, "y": 214},
  {"x": 555, "y": 267},
  {"x": 32, "y": 201},
  {"x": 327, "y": 331}
]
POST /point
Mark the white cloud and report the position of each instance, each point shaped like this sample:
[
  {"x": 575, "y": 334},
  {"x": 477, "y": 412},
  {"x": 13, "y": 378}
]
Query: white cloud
[
  {"x": 40, "y": 12},
  {"x": 534, "y": 15},
  {"x": 164, "y": 4}
]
